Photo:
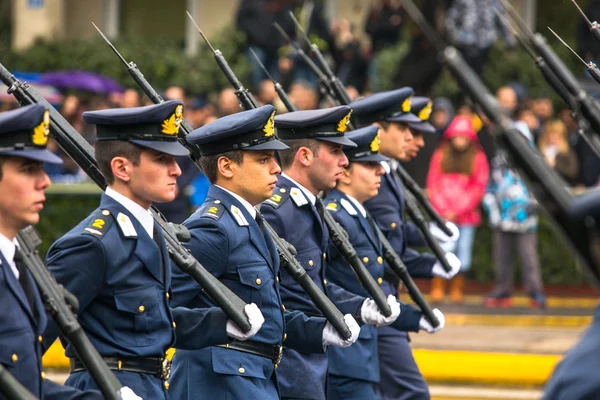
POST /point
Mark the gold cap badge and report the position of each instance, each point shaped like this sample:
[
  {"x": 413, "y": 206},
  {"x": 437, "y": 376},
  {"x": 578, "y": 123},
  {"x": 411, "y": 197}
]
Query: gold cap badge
[
  {"x": 269, "y": 127},
  {"x": 406, "y": 105},
  {"x": 41, "y": 132},
  {"x": 425, "y": 112},
  {"x": 343, "y": 124},
  {"x": 171, "y": 126},
  {"x": 375, "y": 143}
]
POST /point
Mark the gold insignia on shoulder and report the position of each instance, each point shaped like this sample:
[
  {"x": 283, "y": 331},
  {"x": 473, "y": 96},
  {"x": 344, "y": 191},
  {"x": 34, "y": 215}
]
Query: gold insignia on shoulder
[
  {"x": 343, "y": 124},
  {"x": 332, "y": 206},
  {"x": 406, "y": 105},
  {"x": 425, "y": 112},
  {"x": 212, "y": 210},
  {"x": 99, "y": 223},
  {"x": 41, "y": 132},
  {"x": 269, "y": 128},
  {"x": 276, "y": 198},
  {"x": 171, "y": 126},
  {"x": 375, "y": 143}
]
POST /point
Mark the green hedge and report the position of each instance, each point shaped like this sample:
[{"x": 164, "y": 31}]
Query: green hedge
[{"x": 68, "y": 205}]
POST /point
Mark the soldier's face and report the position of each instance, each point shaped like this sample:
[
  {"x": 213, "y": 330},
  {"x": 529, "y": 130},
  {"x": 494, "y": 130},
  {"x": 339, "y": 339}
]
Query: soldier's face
[
  {"x": 363, "y": 179},
  {"x": 395, "y": 140},
  {"x": 22, "y": 194},
  {"x": 327, "y": 166},
  {"x": 413, "y": 146},
  {"x": 154, "y": 179},
  {"x": 255, "y": 178}
]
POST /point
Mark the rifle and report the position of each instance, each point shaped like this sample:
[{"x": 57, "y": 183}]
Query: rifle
[
  {"x": 594, "y": 26},
  {"x": 11, "y": 388},
  {"x": 53, "y": 296},
  {"x": 577, "y": 223},
  {"x": 278, "y": 88},
  {"x": 82, "y": 153},
  {"x": 590, "y": 67}
]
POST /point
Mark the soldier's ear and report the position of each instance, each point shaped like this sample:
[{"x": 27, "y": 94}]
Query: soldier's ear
[
  {"x": 304, "y": 156},
  {"x": 346, "y": 177},
  {"x": 119, "y": 166},
  {"x": 224, "y": 167}
]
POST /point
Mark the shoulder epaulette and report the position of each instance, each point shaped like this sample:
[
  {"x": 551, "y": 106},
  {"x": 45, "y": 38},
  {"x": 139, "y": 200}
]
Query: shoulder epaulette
[
  {"x": 280, "y": 195},
  {"x": 212, "y": 210},
  {"x": 348, "y": 207},
  {"x": 99, "y": 224},
  {"x": 331, "y": 205}
]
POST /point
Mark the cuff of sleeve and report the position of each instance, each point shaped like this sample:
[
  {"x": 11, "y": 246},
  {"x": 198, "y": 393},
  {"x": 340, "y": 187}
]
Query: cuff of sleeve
[{"x": 409, "y": 318}]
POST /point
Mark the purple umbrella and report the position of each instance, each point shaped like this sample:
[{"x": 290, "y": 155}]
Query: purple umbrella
[{"x": 82, "y": 80}]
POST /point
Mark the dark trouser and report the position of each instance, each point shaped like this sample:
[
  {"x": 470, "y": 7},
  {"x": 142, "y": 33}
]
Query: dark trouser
[
  {"x": 526, "y": 244},
  {"x": 342, "y": 388},
  {"x": 400, "y": 375}
]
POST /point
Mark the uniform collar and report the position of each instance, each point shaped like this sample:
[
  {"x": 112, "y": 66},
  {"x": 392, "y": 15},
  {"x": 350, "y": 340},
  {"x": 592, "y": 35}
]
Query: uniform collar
[
  {"x": 311, "y": 197},
  {"x": 386, "y": 166},
  {"x": 357, "y": 205},
  {"x": 7, "y": 247},
  {"x": 140, "y": 213},
  {"x": 249, "y": 207}
]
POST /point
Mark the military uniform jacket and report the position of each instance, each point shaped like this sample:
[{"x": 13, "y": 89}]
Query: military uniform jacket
[
  {"x": 230, "y": 244},
  {"x": 296, "y": 220},
  {"x": 123, "y": 283},
  {"x": 387, "y": 209},
  {"x": 360, "y": 360},
  {"x": 21, "y": 327}
]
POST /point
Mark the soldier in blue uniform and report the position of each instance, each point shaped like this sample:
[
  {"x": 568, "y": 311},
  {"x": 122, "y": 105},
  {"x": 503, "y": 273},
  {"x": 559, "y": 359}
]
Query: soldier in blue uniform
[
  {"x": 400, "y": 376},
  {"x": 23, "y": 138},
  {"x": 116, "y": 261},
  {"x": 229, "y": 238},
  {"x": 313, "y": 164}
]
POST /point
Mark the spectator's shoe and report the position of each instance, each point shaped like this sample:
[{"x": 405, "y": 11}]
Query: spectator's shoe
[
  {"x": 438, "y": 289},
  {"x": 538, "y": 301},
  {"x": 498, "y": 300}
]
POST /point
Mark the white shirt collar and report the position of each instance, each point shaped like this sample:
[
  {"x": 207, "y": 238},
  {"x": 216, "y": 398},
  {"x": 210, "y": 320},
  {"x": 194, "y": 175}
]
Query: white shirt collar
[
  {"x": 249, "y": 207},
  {"x": 357, "y": 205},
  {"x": 394, "y": 164},
  {"x": 140, "y": 213},
  {"x": 7, "y": 247},
  {"x": 386, "y": 166},
  {"x": 311, "y": 197}
]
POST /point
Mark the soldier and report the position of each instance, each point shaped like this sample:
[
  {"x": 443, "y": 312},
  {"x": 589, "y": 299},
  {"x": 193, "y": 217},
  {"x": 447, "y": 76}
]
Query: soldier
[
  {"x": 229, "y": 238},
  {"x": 116, "y": 261},
  {"x": 353, "y": 372},
  {"x": 23, "y": 138},
  {"x": 313, "y": 164},
  {"x": 400, "y": 376}
]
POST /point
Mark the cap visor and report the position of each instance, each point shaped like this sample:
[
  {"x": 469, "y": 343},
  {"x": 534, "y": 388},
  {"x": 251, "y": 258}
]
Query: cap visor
[
  {"x": 372, "y": 157},
  {"x": 38, "y": 155},
  {"x": 424, "y": 127},
  {"x": 344, "y": 141},
  {"x": 407, "y": 118},
  {"x": 270, "y": 145},
  {"x": 171, "y": 148}
]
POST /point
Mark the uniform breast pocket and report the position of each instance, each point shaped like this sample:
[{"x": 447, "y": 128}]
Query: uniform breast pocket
[
  {"x": 140, "y": 317},
  {"x": 18, "y": 352},
  {"x": 256, "y": 280}
]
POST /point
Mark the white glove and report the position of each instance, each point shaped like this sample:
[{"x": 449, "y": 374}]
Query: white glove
[
  {"x": 371, "y": 315},
  {"x": 127, "y": 394},
  {"x": 332, "y": 338},
  {"x": 255, "y": 318},
  {"x": 441, "y": 236},
  {"x": 454, "y": 263},
  {"x": 425, "y": 325}
]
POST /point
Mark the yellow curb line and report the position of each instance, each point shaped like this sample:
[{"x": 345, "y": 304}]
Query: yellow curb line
[
  {"x": 485, "y": 368},
  {"x": 548, "y": 321},
  {"x": 523, "y": 301}
]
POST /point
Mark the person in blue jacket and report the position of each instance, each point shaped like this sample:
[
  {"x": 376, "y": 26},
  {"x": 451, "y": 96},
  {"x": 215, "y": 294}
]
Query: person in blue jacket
[
  {"x": 116, "y": 261},
  {"x": 390, "y": 111},
  {"x": 23, "y": 182},
  {"x": 313, "y": 164},
  {"x": 230, "y": 239}
]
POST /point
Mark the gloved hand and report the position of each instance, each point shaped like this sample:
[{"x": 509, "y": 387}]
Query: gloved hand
[
  {"x": 454, "y": 263},
  {"x": 371, "y": 315},
  {"x": 255, "y": 318},
  {"x": 425, "y": 325},
  {"x": 441, "y": 236},
  {"x": 332, "y": 338},
  {"x": 127, "y": 394}
]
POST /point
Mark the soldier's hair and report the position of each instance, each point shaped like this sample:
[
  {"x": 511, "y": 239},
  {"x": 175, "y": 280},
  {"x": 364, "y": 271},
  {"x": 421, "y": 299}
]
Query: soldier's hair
[
  {"x": 2, "y": 158},
  {"x": 209, "y": 164},
  {"x": 287, "y": 156},
  {"x": 106, "y": 150}
]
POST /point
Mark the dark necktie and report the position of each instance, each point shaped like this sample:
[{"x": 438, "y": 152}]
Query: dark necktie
[
  {"x": 260, "y": 221},
  {"x": 157, "y": 239},
  {"x": 24, "y": 278}
]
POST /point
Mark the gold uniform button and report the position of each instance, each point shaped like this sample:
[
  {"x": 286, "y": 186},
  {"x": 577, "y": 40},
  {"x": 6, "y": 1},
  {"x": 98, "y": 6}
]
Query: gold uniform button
[
  {"x": 166, "y": 385},
  {"x": 43, "y": 375},
  {"x": 282, "y": 190},
  {"x": 365, "y": 259},
  {"x": 277, "y": 279},
  {"x": 14, "y": 358},
  {"x": 105, "y": 212},
  {"x": 141, "y": 309},
  {"x": 380, "y": 280},
  {"x": 217, "y": 201},
  {"x": 283, "y": 307},
  {"x": 311, "y": 263},
  {"x": 324, "y": 281},
  {"x": 379, "y": 260},
  {"x": 174, "y": 325},
  {"x": 40, "y": 339},
  {"x": 393, "y": 225},
  {"x": 284, "y": 336},
  {"x": 241, "y": 370},
  {"x": 324, "y": 256},
  {"x": 258, "y": 281}
]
